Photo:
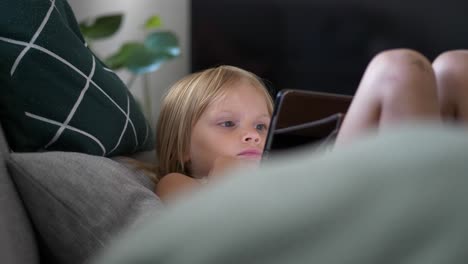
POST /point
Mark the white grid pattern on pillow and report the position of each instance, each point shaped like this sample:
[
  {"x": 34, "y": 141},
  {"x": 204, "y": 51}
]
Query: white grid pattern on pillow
[
  {"x": 89, "y": 82},
  {"x": 33, "y": 39}
]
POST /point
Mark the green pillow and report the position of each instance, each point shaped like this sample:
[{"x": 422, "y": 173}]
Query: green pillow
[{"x": 55, "y": 93}]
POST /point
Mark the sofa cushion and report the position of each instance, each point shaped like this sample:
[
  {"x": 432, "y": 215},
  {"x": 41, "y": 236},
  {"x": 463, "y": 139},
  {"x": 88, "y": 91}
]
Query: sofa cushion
[
  {"x": 56, "y": 94},
  {"x": 78, "y": 202},
  {"x": 17, "y": 243}
]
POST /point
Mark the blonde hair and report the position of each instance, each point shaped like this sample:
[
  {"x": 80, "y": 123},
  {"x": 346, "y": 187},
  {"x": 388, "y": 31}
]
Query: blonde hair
[{"x": 183, "y": 105}]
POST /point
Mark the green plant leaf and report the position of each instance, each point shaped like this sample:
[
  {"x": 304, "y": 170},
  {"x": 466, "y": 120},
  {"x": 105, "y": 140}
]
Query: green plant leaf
[
  {"x": 153, "y": 22},
  {"x": 101, "y": 27},
  {"x": 148, "y": 62},
  {"x": 164, "y": 42},
  {"x": 137, "y": 58},
  {"x": 122, "y": 57}
]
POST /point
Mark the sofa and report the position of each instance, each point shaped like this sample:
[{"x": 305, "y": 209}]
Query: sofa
[
  {"x": 63, "y": 207},
  {"x": 398, "y": 197}
]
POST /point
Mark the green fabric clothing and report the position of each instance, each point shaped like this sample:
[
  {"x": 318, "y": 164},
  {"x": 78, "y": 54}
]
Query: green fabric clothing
[{"x": 399, "y": 197}]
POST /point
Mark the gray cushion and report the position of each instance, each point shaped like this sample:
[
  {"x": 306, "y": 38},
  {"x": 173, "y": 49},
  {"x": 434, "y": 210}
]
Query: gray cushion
[
  {"x": 78, "y": 202},
  {"x": 398, "y": 198},
  {"x": 17, "y": 243},
  {"x": 56, "y": 94}
]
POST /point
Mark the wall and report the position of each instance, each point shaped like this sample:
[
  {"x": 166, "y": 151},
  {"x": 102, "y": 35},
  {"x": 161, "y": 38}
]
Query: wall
[
  {"x": 175, "y": 15},
  {"x": 320, "y": 45}
]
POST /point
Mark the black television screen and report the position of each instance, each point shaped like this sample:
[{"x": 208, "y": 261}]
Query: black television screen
[{"x": 319, "y": 45}]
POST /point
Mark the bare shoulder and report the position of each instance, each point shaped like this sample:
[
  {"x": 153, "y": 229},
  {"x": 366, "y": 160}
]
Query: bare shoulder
[
  {"x": 176, "y": 178},
  {"x": 174, "y": 183}
]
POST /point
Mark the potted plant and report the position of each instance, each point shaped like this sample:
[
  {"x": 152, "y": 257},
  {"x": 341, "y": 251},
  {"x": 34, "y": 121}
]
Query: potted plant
[{"x": 137, "y": 57}]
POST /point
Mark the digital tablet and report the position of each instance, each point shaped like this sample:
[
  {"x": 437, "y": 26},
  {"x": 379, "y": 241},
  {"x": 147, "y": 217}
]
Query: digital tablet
[{"x": 304, "y": 117}]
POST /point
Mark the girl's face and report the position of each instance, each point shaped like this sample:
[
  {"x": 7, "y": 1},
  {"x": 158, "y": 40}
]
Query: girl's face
[{"x": 233, "y": 126}]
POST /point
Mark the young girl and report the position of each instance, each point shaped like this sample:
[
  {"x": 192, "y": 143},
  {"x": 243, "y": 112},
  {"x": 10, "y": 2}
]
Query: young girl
[
  {"x": 218, "y": 118},
  {"x": 210, "y": 121}
]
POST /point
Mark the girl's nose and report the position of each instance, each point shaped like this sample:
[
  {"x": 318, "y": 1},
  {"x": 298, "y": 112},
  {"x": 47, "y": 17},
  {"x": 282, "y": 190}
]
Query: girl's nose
[{"x": 251, "y": 136}]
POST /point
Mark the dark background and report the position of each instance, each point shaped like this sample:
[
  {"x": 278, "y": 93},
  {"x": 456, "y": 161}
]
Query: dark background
[{"x": 320, "y": 45}]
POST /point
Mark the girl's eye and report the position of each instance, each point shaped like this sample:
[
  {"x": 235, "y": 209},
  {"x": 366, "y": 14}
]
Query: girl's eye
[
  {"x": 261, "y": 127},
  {"x": 227, "y": 124}
]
